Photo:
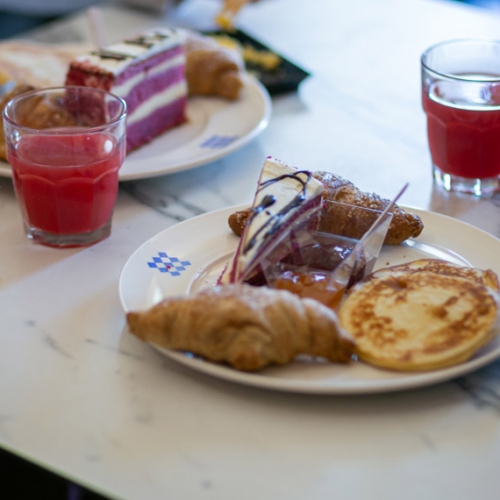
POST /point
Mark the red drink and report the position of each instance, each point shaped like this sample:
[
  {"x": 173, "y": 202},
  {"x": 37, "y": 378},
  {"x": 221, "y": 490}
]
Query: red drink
[
  {"x": 66, "y": 184},
  {"x": 65, "y": 146},
  {"x": 464, "y": 132}
]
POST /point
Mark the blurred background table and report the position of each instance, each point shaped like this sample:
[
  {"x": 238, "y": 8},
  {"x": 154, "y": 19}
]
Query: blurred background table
[{"x": 83, "y": 399}]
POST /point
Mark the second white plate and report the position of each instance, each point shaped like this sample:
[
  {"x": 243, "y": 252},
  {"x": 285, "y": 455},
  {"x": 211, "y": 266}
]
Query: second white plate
[
  {"x": 191, "y": 255},
  {"x": 215, "y": 128}
]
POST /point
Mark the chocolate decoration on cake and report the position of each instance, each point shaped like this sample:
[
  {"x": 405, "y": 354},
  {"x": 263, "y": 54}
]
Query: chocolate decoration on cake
[
  {"x": 108, "y": 54},
  {"x": 147, "y": 41},
  {"x": 164, "y": 36},
  {"x": 142, "y": 41},
  {"x": 283, "y": 197},
  {"x": 273, "y": 223}
]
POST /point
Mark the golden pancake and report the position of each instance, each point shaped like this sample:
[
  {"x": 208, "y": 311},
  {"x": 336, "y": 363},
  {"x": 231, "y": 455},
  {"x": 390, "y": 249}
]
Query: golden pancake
[
  {"x": 483, "y": 277},
  {"x": 419, "y": 320}
]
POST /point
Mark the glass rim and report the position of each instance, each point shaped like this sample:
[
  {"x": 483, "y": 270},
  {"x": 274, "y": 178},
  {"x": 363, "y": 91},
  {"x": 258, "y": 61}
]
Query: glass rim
[
  {"x": 452, "y": 76},
  {"x": 55, "y": 131}
]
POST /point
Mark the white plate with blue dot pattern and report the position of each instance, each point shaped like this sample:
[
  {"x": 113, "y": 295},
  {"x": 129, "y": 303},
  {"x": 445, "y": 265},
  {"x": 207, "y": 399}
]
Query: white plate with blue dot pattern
[{"x": 191, "y": 255}]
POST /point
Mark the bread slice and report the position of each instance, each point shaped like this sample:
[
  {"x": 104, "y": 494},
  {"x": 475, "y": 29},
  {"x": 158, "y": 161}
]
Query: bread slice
[{"x": 419, "y": 320}]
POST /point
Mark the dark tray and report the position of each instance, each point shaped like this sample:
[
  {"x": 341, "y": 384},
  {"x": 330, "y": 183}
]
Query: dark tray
[{"x": 285, "y": 78}]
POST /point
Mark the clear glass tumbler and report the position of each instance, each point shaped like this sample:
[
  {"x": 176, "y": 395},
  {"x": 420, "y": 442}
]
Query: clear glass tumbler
[
  {"x": 65, "y": 146},
  {"x": 461, "y": 98}
]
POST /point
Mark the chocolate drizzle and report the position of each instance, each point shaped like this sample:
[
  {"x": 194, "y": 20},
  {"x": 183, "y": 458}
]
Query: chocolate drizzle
[
  {"x": 141, "y": 41},
  {"x": 147, "y": 41},
  {"x": 274, "y": 222},
  {"x": 109, "y": 54}
]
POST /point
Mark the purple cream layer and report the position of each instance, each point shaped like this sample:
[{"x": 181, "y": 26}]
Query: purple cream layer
[
  {"x": 162, "y": 119},
  {"x": 147, "y": 64},
  {"x": 148, "y": 87}
]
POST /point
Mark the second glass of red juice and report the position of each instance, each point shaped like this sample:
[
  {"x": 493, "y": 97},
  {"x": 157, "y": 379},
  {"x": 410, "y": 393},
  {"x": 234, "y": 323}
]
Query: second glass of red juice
[
  {"x": 65, "y": 146},
  {"x": 461, "y": 98}
]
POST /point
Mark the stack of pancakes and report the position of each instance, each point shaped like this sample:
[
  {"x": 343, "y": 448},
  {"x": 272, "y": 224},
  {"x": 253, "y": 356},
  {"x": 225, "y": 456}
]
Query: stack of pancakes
[{"x": 423, "y": 315}]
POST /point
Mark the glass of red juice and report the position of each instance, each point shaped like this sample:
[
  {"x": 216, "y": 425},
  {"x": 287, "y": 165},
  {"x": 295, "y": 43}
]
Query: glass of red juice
[
  {"x": 461, "y": 98},
  {"x": 65, "y": 146}
]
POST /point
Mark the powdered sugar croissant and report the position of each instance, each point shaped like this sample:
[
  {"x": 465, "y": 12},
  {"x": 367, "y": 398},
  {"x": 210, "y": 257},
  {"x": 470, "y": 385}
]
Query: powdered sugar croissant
[{"x": 247, "y": 327}]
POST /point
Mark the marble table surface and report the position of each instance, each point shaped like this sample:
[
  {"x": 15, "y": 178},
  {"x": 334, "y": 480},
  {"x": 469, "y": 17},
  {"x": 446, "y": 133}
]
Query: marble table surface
[{"x": 81, "y": 397}]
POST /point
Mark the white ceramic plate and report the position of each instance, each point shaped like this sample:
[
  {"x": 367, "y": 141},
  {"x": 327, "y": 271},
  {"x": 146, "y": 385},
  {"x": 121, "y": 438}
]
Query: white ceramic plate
[
  {"x": 215, "y": 128},
  {"x": 190, "y": 256}
]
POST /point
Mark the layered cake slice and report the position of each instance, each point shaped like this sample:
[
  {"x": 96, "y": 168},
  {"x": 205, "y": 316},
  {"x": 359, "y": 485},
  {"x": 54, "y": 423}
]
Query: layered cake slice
[
  {"x": 147, "y": 71},
  {"x": 284, "y": 196}
]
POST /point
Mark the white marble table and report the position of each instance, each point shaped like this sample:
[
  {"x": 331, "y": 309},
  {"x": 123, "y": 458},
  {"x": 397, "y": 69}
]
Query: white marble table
[{"x": 80, "y": 396}]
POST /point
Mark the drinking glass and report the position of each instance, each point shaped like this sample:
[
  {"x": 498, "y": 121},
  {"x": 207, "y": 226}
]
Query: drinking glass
[
  {"x": 461, "y": 98},
  {"x": 65, "y": 146}
]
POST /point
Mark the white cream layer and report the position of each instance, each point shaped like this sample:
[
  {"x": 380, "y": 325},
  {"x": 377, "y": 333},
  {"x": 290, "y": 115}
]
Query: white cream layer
[
  {"x": 157, "y": 101},
  {"x": 124, "y": 89}
]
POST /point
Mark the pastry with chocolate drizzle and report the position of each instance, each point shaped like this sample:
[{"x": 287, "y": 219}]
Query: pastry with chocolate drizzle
[{"x": 343, "y": 218}]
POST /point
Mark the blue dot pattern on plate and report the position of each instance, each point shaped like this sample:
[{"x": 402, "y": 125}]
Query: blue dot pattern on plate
[
  {"x": 170, "y": 265},
  {"x": 218, "y": 141}
]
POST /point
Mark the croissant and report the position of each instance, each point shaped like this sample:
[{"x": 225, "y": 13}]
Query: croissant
[
  {"x": 212, "y": 69},
  {"x": 247, "y": 327},
  {"x": 18, "y": 89},
  {"x": 346, "y": 220}
]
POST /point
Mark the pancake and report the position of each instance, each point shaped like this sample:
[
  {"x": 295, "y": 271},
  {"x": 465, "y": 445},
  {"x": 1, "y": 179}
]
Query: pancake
[
  {"x": 415, "y": 321},
  {"x": 483, "y": 277}
]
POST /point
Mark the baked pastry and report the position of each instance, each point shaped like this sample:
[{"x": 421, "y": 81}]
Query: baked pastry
[
  {"x": 284, "y": 195},
  {"x": 338, "y": 220},
  {"x": 36, "y": 64},
  {"x": 485, "y": 277},
  {"x": 423, "y": 320},
  {"x": 147, "y": 71},
  {"x": 212, "y": 69},
  {"x": 247, "y": 327},
  {"x": 344, "y": 219},
  {"x": 29, "y": 65},
  {"x": 18, "y": 89}
]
